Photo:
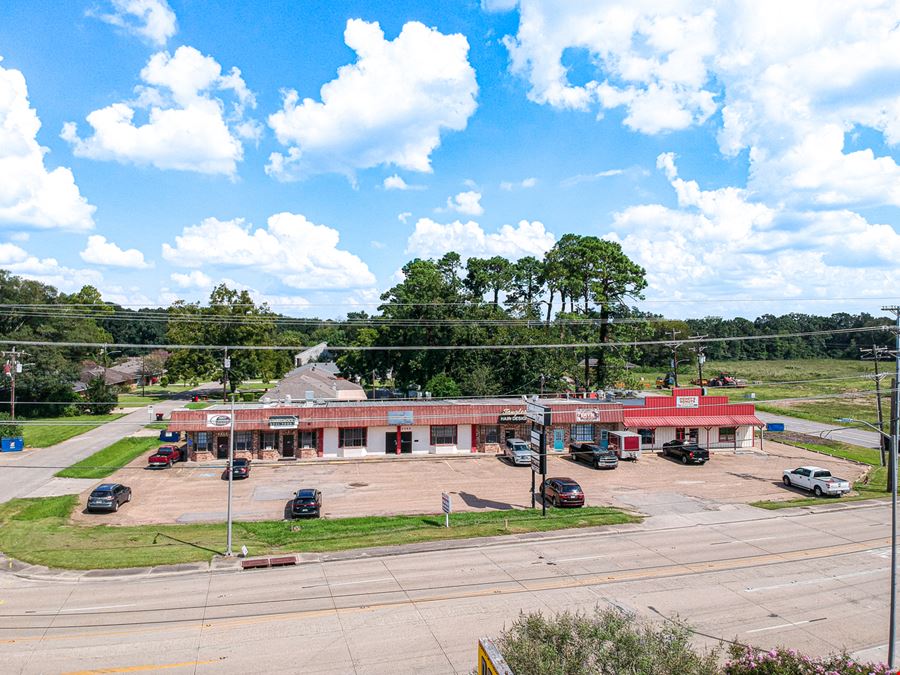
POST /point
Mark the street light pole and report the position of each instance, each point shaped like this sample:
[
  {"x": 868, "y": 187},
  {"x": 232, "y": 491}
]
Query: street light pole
[
  {"x": 895, "y": 432},
  {"x": 230, "y": 476}
]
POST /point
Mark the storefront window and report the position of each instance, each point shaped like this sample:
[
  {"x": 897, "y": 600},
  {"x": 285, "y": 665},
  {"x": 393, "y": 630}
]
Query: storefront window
[
  {"x": 727, "y": 434},
  {"x": 679, "y": 433},
  {"x": 267, "y": 439},
  {"x": 647, "y": 436},
  {"x": 202, "y": 440},
  {"x": 491, "y": 434},
  {"x": 443, "y": 435},
  {"x": 352, "y": 438},
  {"x": 308, "y": 439},
  {"x": 243, "y": 440},
  {"x": 583, "y": 433}
]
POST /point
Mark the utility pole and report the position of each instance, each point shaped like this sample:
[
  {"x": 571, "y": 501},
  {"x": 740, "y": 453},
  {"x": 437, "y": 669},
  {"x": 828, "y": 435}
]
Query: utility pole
[
  {"x": 143, "y": 376},
  {"x": 373, "y": 384},
  {"x": 12, "y": 368},
  {"x": 895, "y": 431},
  {"x": 674, "y": 347},
  {"x": 700, "y": 349},
  {"x": 230, "y": 475},
  {"x": 874, "y": 354},
  {"x": 226, "y": 364}
]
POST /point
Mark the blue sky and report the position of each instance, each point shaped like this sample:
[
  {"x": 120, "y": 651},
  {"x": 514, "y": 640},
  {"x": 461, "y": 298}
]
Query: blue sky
[{"x": 744, "y": 153}]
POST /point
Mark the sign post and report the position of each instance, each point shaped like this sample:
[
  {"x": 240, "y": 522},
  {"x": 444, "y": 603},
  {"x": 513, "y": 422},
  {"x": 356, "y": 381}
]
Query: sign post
[
  {"x": 540, "y": 419},
  {"x": 446, "y": 507}
]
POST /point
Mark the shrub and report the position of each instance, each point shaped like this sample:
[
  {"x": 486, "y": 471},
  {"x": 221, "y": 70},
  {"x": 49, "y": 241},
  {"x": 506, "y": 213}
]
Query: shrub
[
  {"x": 610, "y": 641},
  {"x": 781, "y": 661},
  {"x": 8, "y": 428}
]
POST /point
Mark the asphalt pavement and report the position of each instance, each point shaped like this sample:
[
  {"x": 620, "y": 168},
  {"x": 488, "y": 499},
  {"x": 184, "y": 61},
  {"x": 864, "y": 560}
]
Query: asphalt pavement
[
  {"x": 814, "y": 579},
  {"x": 837, "y": 432}
]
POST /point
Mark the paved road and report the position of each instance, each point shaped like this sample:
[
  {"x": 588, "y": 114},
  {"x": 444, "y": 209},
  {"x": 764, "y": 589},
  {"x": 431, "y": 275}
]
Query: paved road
[
  {"x": 811, "y": 579},
  {"x": 30, "y": 473},
  {"x": 861, "y": 437}
]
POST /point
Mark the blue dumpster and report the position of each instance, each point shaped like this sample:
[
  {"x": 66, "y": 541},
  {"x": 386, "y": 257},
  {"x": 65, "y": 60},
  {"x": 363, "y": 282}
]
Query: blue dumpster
[
  {"x": 775, "y": 426},
  {"x": 14, "y": 444}
]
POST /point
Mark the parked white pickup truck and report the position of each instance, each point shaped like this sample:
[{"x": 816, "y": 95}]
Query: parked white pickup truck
[{"x": 817, "y": 480}]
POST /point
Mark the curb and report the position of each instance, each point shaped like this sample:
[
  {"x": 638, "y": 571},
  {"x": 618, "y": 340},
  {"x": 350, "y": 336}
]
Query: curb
[{"x": 222, "y": 565}]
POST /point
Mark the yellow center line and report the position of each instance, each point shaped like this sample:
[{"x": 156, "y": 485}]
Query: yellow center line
[
  {"x": 515, "y": 586},
  {"x": 136, "y": 669}
]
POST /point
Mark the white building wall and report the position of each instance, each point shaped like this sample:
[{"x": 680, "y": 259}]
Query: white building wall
[
  {"x": 421, "y": 440},
  {"x": 375, "y": 441}
]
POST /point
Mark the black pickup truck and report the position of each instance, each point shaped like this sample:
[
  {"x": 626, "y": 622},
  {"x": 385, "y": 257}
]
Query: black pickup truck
[
  {"x": 689, "y": 453},
  {"x": 594, "y": 455}
]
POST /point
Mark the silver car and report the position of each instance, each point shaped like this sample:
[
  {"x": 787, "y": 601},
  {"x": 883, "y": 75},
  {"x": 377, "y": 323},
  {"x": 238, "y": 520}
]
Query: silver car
[{"x": 517, "y": 451}]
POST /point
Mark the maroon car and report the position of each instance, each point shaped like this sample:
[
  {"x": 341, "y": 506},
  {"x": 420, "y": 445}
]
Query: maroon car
[
  {"x": 164, "y": 457},
  {"x": 563, "y": 492}
]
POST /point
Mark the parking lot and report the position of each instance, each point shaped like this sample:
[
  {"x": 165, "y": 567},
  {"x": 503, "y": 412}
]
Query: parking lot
[{"x": 189, "y": 494}]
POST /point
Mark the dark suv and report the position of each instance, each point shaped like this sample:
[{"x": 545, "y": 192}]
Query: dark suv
[
  {"x": 594, "y": 455},
  {"x": 563, "y": 492},
  {"x": 108, "y": 497},
  {"x": 307, "y": 502}
]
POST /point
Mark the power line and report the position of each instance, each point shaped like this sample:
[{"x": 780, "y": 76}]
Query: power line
[{"x": 401, "y": 348}]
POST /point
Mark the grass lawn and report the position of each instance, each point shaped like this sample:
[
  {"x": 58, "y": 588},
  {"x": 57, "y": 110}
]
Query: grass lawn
[
  {"x": 797, "y": 379},
  {"x": 162, "y": 426},
  {"x": 199, "y": 405},
  {"x": 875, "y": 487},
  {"x": 44, "y": 432},
  {"x": 39, "y": 531},
  {"x": 110, "y": 459},
  {"x": 150, "y": 395}
]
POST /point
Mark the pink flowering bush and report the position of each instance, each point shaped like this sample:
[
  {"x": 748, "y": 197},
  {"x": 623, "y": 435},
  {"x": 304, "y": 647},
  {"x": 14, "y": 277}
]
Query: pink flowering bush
[{"x": 748, "y": 661}]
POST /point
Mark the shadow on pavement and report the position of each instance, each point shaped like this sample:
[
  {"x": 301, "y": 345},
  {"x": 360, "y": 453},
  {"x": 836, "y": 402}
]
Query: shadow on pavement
[{"x": 479, "y": 503}]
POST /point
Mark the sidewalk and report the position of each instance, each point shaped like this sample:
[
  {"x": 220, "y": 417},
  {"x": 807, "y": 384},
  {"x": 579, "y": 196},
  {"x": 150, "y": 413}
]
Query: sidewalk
[{"x": 30, "y": 473}]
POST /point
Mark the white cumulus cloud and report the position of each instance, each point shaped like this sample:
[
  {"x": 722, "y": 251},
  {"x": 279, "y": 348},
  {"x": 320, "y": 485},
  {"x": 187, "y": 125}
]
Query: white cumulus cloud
[
  {"x": 396, "y": 182},
  {"x": 389, "y": 107},
  {"x": 468, "y": 203},
  {"x": 509, "y": 186},
  {"x": 99, "y": 251},
  {"x": 726, "y": 243},
  {"x": 298, "y": 252},
  {"x": 188, "y": 128},
  {"x": 30, "y": 194},
  {"x": 432, "y": 240},
  {"x": 46, "y": 270},
  {"x": 193, "y": 279},
  {"x": 792, "y": 82},
  {"x": 152, "y": 20}
]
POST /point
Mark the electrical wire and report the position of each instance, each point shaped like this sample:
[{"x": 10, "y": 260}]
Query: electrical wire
[{"x": 478, "y": 347}]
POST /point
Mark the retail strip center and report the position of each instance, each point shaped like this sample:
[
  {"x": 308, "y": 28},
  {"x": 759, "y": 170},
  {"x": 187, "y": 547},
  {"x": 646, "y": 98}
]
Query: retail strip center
[{"x": 449, "y": 426}]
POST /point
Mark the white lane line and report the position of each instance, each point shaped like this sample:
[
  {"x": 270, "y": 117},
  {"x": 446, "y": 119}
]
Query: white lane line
[
  {"x": 781, "y": 625},
  {"x": 818, "y": 580},
  {"x": 361, "y": 581},
  {"x": 584, "y": 557},
  {"x": 740, "y": 541},
  {"x": 88, "y": 609}
]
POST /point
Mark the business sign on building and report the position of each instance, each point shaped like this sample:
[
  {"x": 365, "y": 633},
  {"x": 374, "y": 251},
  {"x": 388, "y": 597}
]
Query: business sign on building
[
  {"x": 398, "y": 418},
  {"x": 587, "y": 415},
  {"x": 218, "y": 420},
  {"x": 687, "y": 401},
  {"x": 283, "y": 422},
  {"x": 512, "y": 417}
]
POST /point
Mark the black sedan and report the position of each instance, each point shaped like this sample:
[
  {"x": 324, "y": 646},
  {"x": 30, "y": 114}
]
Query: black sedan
[
  {"x": 563, "y": 492},
  {"x": 108, "y": 497},
  {"x": 307, "y": 502},
  {"x": 240, "y": 468}
]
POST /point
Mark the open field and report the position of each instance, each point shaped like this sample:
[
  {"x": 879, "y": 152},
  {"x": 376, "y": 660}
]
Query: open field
[
  {"x": 775, "y": 383},
  {"x": 39, "y": 531},
  {"x": 110, "y": 459},
  {"x": 44, "y": 432}
]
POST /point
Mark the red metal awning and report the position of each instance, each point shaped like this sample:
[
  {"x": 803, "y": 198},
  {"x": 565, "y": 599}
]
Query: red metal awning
[{"x": 633, "y": 422}]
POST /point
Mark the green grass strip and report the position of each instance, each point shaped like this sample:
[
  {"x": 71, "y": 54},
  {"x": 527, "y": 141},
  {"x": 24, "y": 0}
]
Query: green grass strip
[
  {"x": 59, "y": 429},
  {"x": 110, "y": 459},
  {"x": 39, "y": 531}
]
